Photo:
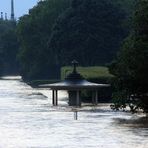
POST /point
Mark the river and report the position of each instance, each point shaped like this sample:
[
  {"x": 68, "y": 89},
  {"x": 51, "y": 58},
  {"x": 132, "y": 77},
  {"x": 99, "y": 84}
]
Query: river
[{"x": 28, "y": 120}]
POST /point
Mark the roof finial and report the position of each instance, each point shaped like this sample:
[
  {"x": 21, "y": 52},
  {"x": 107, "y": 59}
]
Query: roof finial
[{"x": 75, "y": 63}]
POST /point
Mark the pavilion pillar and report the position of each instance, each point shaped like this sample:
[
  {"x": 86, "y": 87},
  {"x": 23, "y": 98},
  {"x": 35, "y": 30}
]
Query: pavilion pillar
[
  {"x": 56, "y": 97},
  {"x": 93, "y": 97},
  {"x": 96, "y": 97},
  {"x": 78, "y": 103},
  {"x": 53, "y": 97}
]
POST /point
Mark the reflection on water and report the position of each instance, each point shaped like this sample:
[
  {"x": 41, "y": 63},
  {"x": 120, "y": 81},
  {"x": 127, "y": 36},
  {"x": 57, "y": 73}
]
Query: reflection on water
[
  {"x": 133, "y": 122},
  {"x": 27, "y": 119}
]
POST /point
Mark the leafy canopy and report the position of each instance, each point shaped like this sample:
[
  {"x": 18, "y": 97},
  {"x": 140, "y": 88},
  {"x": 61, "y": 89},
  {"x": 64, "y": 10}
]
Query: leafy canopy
[
  {"x": 90, "y": 31},
  {"x": 34, "y": 31},
  {"x": 131, "y": 65}
]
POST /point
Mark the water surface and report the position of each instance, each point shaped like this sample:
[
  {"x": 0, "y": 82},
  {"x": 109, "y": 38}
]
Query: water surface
[{"x": 28, "y": 120}]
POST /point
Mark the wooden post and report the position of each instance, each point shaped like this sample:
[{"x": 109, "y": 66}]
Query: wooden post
[
  {"x": 96, "y": 97},
  {"x": 75, "y": 115}
]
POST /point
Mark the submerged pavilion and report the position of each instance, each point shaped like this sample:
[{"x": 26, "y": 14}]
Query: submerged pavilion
[{"x": 74, "y": 83}]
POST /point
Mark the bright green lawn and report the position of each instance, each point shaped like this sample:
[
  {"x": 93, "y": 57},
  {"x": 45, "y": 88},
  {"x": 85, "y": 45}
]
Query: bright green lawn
[
  {"x": 96, "y": 72},
  {"x": 87, "y": 72}
]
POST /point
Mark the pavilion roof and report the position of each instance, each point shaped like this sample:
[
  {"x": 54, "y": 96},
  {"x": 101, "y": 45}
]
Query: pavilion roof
[
  {"x": 74, "y": 81},
  {"x": 74, "y": 85}
]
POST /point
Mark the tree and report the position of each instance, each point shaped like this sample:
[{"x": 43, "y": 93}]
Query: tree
[
  {"x": 55, "y": 32},
  {"x": 8, "y": 48},
  {"x": 90, "y": 31},
  {"x": 34, "y": 31},
  {"x": 131, "y": 65}
]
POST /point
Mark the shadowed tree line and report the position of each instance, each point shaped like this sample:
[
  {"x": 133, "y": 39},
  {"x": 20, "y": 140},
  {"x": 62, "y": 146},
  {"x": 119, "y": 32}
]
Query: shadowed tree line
[
  {"x": 9, "y": 47},
  {"x": 83, "y": 30},
  {"x": 34, "y": 31},
  {"x": 131, "y": 65},
  {"x": 56, "y": 32}
]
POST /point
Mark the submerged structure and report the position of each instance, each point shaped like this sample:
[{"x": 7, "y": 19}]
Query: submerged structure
[{"x": 74, "y": 83}]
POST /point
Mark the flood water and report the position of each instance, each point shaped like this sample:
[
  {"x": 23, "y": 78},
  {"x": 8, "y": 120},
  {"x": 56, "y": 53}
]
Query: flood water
[{"x": 28, "y": 120}]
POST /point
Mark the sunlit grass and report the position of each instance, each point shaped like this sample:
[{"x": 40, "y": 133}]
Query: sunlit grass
[
  {"x": 87, "y": 72},
  {"x": 96, "y": 72}
]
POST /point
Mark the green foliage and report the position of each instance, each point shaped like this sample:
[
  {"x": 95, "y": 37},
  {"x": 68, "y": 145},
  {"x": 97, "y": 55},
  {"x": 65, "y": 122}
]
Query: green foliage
[
  {"x": 119, "y": 100},
  {"x": 90, "y": 31},
  {"x": 34, "y": 31},
  {"x": 127, "y": 5},
  {"x": 131, "y": 65},
  {"x": 8, "y": 47},
  {"x": 58, "y": 31}
]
